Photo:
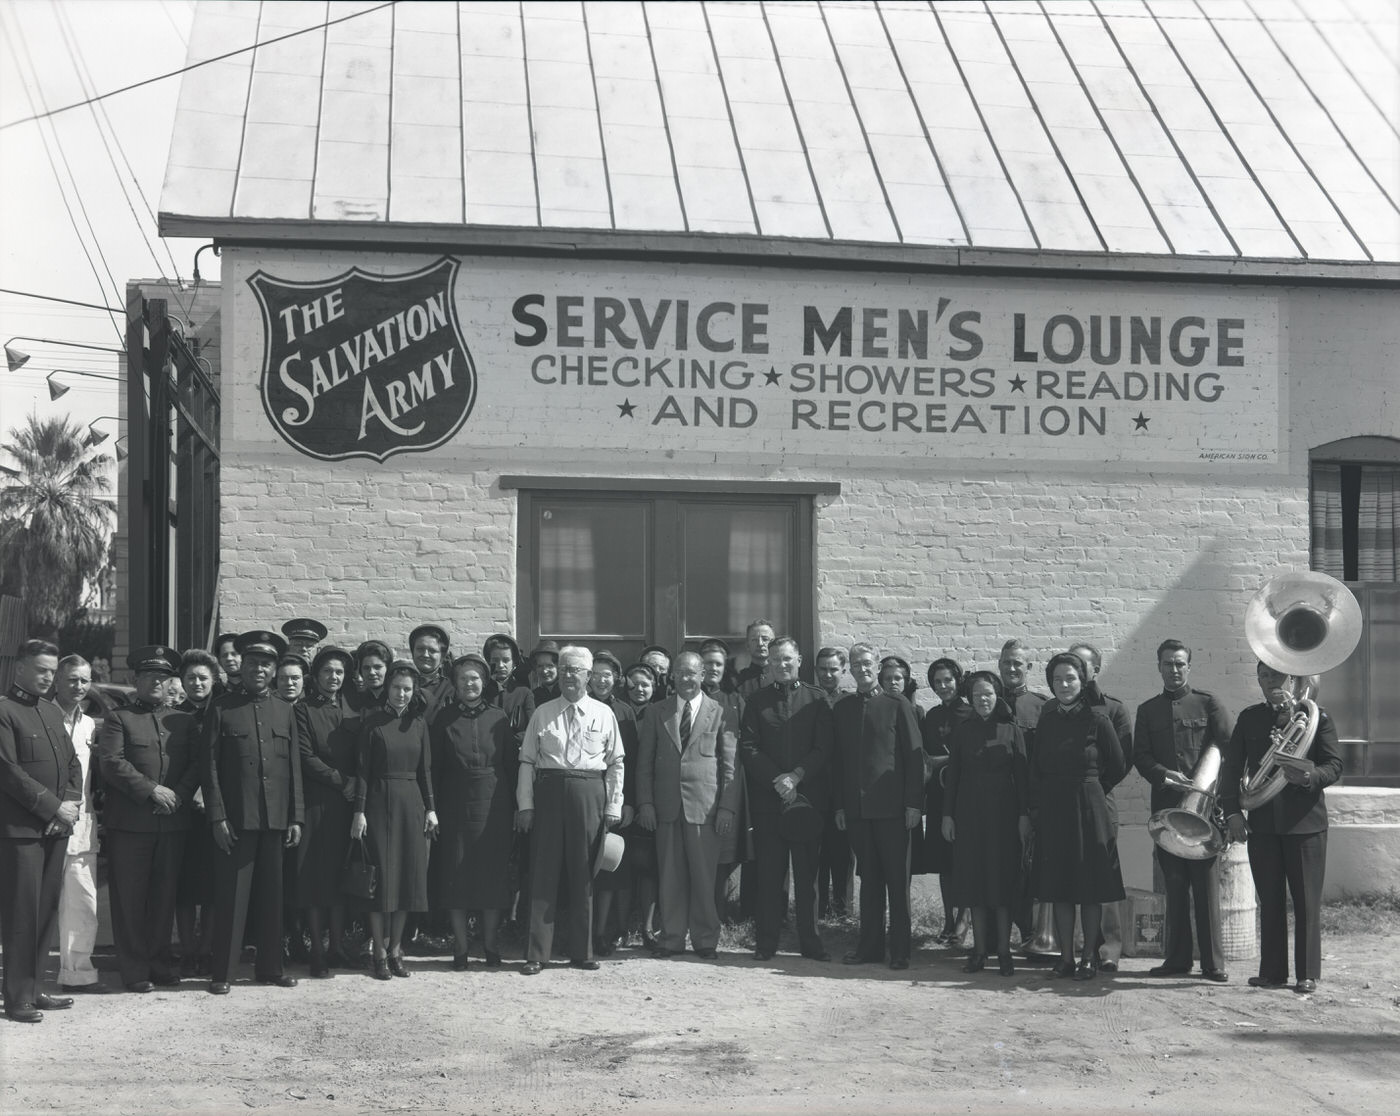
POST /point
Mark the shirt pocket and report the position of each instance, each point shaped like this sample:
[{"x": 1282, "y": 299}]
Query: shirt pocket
[
  {"x": 706, "y": 744},
  {"x": 27, "y": 748},
  {"x": 280, "y": 745}
]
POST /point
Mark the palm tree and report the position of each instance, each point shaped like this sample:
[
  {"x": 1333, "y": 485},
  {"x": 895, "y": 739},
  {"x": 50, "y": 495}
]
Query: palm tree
[{"x": 54, "y": 524}]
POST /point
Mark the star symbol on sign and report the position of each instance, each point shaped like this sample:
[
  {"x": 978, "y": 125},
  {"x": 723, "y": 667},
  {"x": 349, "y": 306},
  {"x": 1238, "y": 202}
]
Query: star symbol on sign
[
  {"x": 1141, "y": 421},
  {"x": 1018, "y": 383},
  {"x": 626, "y": 407},
  {"x": 771, "y": 376}
]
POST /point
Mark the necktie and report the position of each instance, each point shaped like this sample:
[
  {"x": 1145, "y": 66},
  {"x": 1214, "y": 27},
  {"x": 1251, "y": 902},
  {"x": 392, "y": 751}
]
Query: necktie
[
  {"x": 685, "y": 724},
  {"x": 573, "y": 744}
]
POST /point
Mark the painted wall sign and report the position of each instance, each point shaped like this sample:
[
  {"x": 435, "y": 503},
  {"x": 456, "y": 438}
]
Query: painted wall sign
[
  {"x": 364, "y": 365},
  {"x": 369, "y": 360}
]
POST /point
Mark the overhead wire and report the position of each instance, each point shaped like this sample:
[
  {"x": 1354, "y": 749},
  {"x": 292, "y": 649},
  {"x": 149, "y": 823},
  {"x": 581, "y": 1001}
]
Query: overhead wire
[
  {"x": 19, "y": 38},
  {"x": 66, "y": 301},
  {"x": 80, "y": 67},
  {"x": 196, "y": 65}
]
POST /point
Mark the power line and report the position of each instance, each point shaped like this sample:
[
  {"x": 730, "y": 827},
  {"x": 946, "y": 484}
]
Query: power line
[
  {"x": 63, "y": 195},
  {"x": 67, "y": 301},
  {"x": 196, "y": 65}
]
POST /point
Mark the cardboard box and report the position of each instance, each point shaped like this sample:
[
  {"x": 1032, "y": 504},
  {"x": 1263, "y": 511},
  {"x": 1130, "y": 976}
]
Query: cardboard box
[{"x": 1147, "y": 916}]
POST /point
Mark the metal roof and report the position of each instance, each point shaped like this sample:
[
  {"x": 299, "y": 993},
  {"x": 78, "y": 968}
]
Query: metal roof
[{"x": 1225, "y": 130}]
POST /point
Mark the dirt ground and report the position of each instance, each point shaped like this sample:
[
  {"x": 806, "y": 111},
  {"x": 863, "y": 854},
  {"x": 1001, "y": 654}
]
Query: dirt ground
[{"x": 687, "y": 1036}]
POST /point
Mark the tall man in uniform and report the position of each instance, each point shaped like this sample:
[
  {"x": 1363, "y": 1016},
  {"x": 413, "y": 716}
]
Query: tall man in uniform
[
  {"x": 1014, "y": 666},
  {"x": 836, "y": 864},
  {"x": 41, "y": 782},
  {"x": 1111, "y": 922},
  {"x": 786, "y": 743},
  {"x": 879, "y": 778},
  {"x": 149, "y": 755},
  {"x": 758, "y": 638},
  {"x": 304, "y": 636},
  {"x": 252, "y": 797},
  {"x": 569, "y": 789},
  {"x": 1173, "y": 729},
  {"x": 687, "y": 792}
]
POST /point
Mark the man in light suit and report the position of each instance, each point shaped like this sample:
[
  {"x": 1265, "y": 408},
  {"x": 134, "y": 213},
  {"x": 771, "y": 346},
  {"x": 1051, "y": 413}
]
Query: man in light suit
[{"x": 688, "y": 793}]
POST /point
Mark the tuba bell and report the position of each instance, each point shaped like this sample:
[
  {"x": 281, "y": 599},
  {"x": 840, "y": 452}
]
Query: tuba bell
[
  {"x": 1299, "y": 624},
  {"x": 1189, "y": 829}
]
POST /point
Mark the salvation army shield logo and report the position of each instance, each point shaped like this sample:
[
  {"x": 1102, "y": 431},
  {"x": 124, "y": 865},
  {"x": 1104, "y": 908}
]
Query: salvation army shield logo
[{"x": 365, "y": 365}]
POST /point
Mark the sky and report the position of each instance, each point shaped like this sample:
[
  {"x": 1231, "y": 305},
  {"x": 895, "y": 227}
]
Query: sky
[{"x": 53, "y": 53}]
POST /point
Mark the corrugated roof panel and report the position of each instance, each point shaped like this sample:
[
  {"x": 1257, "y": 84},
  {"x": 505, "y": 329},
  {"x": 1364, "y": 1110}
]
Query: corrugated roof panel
[
  {"x": 498, "y": 166},
  {"x": 352, "y": 169},
  {"x": 780, "y": 181},
  {"x": 713, "y": 185},
  {"x": 573, "y": 186},
  {"x": 425, "y": 179},
  {"x": 912, "y": 178}
]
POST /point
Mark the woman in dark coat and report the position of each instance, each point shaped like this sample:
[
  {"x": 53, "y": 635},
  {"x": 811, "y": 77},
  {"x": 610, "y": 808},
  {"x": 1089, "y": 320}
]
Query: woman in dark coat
[
  {"x": 291, "y": 678},
  {"x": 393, "y": 812},
  {"x": 602, "y": 686},
  {"x": 986, "y": 816},
  {"x": 1077, "y": 755},
  {"x": 194, "y": 892},
  {"x": 935, "y": 855},
  {"x": 372, "y": 659},
  {"x": 475, "y": 759},
  {"x": 896, "y": 679},
  {"x": 327, "y": 732}
]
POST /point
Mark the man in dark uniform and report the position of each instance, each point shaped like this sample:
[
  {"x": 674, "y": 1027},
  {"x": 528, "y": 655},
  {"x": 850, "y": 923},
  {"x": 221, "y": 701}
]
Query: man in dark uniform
[
  {"x": 252, "y": 796},
  {"x": 1111, "y": 922},
  {"x": 758, "y": 637},
  {"x": 1014, "y": 665},
  {"x": 1287, "y": 835},
  {"x": 149, "y": 757},
  {"x": 304, "y": 636},
  {"x": 428, "y": 644},
  {"x": 836, "y": 880},
  {"x": 41, "y": 785},
  {"x": 786, "y": 744},
  {"x": 879, "y": 777},
  {"x": 1173, "y": 729}
]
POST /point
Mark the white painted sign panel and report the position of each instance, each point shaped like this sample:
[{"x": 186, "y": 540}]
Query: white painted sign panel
[{"x": 372, "y": 355}]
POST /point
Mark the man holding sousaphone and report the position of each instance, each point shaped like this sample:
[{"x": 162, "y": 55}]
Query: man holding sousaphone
[{"x": 1283, "y": 753}]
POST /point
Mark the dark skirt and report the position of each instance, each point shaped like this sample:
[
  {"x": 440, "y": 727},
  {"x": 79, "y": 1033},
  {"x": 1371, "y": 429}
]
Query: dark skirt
[
  {"x": 930, "y": 854},
  {"x": 394, "y": 814},
  {"x": 1076, "y": 852},
  {"x": 987, "y": 852},
  {"x": 472, "y": 857},
  {"x": 320, "y": 854}
]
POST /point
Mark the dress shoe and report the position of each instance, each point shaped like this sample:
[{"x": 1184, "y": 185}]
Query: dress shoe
[
  {"x": 45, "y": 1002},
  {"x": 1005, "y": 966},
  {"x": 1087, "y": 970},
  {"x": 97, "y": 988},
  {"x": 396, "y": 966},
  {"x": 320, "y": 970},
  {"x": 1109, "y": 966},
  {"x": 460, "y": 962},
  {"x": 1167, "y": 971},
  {"x": 1303, "y": 987},
  {"x": 493, "y": 959},
  {"x": 975, "y": 964},
  {"x": 855, "y": 957},
  {"x": 1220, "y": 976},
  {"x": 283, "y": 981},
  {"x": 141, "y": 986},
  {"x": 762, "y": 955},
  {"x": 1265, "y": 982},
  {"x": 1063, "y": 969},
  {"x": 24, "y": 1013},
  {"x": 816, "y": 955},
  {"x": 604, "y": 947},
  {"x": 900, "y": 963},
  {"x": 218, "y": 988},
  {"x": 707, "y": 954},
  {"x": 531, "y": 968},
  {"x": 381, "y": 969},
  {"x": 589, "y": 966}
]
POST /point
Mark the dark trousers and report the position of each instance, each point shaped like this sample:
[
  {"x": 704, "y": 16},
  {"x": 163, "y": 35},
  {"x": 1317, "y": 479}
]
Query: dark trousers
[
  {"x": 253, "y": 869},
  {"x": 1295, "y": 862},
  {"x": 564, "y": 839},
  {"x": 771, "y": 860},
  {"x": 835, "y": 871},
  {"x": 31, "y": 877},
  {"x": 1191, "y": 883},
  {"x": 143, "y": 874},
  {"x": 882, "y": 858}
]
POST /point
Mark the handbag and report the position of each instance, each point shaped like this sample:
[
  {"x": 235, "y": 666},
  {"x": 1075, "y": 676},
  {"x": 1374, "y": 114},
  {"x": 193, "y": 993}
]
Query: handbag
[{"x": 358, "y": 875}]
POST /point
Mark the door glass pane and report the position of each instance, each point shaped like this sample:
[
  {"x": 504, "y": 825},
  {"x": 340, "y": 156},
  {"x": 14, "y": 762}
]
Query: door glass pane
[
  {"x": 593, "y": 570},
  {"x": 1384, "y": 614},
  {"x": 737, "y": 563}
]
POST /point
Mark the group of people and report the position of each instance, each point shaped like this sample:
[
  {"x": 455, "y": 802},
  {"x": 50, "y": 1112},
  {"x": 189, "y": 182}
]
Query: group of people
[{"x": 457, "y": 783}]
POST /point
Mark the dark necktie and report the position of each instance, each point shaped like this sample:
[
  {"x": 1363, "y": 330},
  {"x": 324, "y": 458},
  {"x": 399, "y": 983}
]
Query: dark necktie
[{"x": 685, "y": 724}]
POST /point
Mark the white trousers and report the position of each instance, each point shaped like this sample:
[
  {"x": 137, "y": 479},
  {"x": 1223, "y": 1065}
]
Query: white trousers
[{"x": 77, "y": 919}]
